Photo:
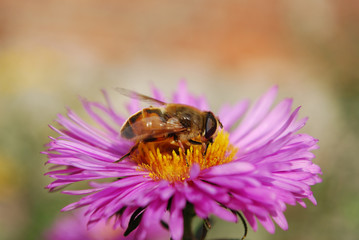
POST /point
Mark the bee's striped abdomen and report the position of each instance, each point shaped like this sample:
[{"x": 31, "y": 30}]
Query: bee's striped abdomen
[{"x": 137, "y": 124}]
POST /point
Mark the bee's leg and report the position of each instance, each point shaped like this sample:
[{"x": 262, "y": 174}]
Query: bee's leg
[
  {"x": 123, "y": 157},
  {"x": 206, "y": 146},
  {"x": 128, "y": 154},
  {"x": 183, "y": 150},
  {"x": 194, "y": 142},
  {"x": 179, "y": 142}
]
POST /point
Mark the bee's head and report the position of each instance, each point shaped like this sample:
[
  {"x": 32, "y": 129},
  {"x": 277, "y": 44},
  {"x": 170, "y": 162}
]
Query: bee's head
[{"x": 211, "y": 126}]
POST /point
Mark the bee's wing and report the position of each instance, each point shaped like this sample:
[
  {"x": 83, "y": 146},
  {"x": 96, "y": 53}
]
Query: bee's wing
[
  {"x": 158, "y": 130},
  {"x": 139, "y": 96}
]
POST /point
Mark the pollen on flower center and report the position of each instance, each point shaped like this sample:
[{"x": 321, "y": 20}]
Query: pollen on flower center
[{"x": 167, "y": 162}]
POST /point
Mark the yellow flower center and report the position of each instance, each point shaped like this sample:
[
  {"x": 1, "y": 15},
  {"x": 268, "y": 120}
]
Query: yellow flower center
[{"x": 167, "y": 162}]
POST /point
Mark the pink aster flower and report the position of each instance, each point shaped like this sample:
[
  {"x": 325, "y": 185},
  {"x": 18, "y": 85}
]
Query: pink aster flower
[{"x": 256, "y": 167}]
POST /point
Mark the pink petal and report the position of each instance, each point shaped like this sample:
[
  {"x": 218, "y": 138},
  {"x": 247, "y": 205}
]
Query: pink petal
[
  {"x": 255, "y": 115},
  {"x": 230, "y": 169}
]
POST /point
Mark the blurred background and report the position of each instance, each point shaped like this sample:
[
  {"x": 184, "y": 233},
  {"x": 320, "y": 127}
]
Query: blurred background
[{"x": 52, "y": 52}]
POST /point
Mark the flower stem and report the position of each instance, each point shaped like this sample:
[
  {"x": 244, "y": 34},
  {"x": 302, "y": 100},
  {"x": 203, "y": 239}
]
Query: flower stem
[{"x": 188, "y": 214}]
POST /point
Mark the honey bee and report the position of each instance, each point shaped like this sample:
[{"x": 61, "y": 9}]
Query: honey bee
[{"x": 169, "y": 122}]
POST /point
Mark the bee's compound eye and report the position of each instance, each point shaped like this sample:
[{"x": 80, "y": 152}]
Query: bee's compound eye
[{"x": 211, "y": 125}]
